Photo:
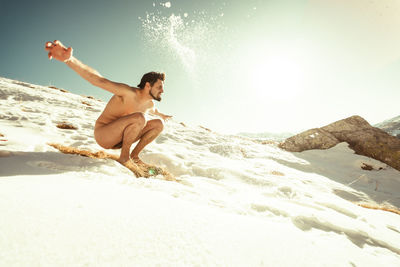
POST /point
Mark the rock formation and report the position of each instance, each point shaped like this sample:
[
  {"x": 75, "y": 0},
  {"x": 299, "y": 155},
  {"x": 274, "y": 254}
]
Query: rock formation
[{"x": 357, "y": 132}]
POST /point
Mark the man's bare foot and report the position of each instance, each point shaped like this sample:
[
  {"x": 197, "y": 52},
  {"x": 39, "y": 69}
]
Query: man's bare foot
[
  {"x": 130, "y": 164},
  {"x": 138, "y": 161},
  {"x": 134, "y": 167},
  {"x": 123, "y": 160}
]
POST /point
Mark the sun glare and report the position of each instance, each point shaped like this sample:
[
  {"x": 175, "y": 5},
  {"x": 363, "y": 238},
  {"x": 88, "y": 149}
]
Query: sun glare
[{"x": 277, "y": 77}]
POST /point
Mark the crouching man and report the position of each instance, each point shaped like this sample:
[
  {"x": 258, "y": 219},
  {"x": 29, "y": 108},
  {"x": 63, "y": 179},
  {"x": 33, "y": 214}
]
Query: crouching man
[{"x": 122, "y": 123}]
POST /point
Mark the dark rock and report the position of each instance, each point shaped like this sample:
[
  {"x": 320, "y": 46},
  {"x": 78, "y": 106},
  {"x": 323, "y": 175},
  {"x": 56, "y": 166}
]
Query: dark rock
[
  {"x": 357, "y": 132},
  {"x": 367, "y": 167}
]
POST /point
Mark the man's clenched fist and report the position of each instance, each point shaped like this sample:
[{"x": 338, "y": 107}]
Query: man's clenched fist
[{"x": 58, "y": 51}]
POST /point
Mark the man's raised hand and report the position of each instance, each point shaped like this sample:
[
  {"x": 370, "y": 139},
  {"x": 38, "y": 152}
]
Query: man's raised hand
[{"x": 58, "y": 51}]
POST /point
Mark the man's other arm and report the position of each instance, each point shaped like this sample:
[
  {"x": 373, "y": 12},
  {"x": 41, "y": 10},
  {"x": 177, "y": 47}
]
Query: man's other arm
[{"x": 155, "y": 111}]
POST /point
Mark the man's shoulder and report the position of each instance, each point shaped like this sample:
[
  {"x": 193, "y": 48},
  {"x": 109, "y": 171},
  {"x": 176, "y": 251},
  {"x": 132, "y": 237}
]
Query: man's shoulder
[{"x": 133, "y": 91}]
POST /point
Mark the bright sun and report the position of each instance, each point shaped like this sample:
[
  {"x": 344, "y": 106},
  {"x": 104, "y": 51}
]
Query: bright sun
[{"x": 276, "y": 77}]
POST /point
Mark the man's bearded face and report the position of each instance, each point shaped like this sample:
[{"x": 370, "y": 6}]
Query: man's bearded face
[{"x": 156, "y": 90}]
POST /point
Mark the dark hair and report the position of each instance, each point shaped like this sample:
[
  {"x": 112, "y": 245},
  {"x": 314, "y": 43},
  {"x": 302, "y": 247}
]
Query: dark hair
[{"x": 151, "y": 77}]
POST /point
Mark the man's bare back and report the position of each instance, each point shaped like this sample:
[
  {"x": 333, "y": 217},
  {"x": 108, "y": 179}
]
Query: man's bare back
[{"x": 122, "y": 122}]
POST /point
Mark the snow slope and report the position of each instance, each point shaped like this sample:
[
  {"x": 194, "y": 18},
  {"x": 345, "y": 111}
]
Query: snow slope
[{"x": 239, "y": 202}]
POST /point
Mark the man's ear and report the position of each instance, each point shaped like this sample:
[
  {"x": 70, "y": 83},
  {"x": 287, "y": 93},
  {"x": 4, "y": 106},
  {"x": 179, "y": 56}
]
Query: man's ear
[{"x": 147, "y": 85}]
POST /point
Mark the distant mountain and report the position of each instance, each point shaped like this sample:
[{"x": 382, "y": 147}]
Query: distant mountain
[
  {"x": 391, "y": 126},
  {"x": 267, "y": 135}
]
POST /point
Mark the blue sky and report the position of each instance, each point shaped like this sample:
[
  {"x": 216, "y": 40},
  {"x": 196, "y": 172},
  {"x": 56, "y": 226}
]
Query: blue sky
[{"x": 231, "y": 65}]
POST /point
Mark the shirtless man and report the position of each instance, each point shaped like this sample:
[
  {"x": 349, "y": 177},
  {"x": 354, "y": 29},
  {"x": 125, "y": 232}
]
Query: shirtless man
[{"x": 122, "y": 122}]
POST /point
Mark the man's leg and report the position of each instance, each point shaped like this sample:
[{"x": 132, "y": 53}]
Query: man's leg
[
  {"x": 126, "y": 129},
  {"x": 152, "y": 129},
  {"x": 130, "y": 136}
]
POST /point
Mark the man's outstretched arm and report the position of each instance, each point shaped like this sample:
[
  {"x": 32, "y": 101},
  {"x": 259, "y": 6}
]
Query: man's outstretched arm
[
  {"x": 59, "y": 52},
  {"x": 155, "y": 111}
]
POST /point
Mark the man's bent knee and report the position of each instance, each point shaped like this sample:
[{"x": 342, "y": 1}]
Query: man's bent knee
[
  {"x": 138, "y": 118},
  {"x": 137, "y": 115},
  {"x": 156, "y": 124}
]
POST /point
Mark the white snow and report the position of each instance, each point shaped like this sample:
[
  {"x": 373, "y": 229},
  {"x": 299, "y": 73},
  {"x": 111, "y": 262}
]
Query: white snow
[
  {"x": 238, "y": 202},
  {"x": 166, "y": 4}
]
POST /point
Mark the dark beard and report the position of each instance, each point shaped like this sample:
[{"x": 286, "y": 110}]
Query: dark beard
[{"x": 155, "y": 98}]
